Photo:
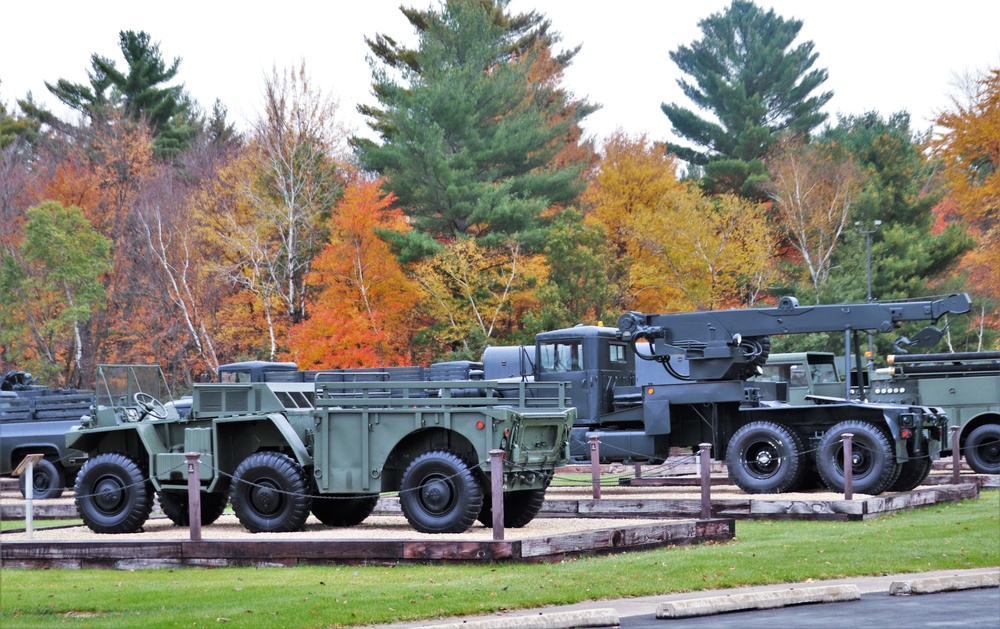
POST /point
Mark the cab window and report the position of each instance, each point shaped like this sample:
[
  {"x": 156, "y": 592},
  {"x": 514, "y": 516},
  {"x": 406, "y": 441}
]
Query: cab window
[{"x": 561, "y": 356}]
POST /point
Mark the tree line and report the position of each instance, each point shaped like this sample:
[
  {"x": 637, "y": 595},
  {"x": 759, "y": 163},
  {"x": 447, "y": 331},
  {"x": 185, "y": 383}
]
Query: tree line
[{"x": 149, "y": 229}]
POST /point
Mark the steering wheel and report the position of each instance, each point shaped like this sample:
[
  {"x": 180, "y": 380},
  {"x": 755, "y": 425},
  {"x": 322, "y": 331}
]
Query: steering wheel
[{"x": 151, "y": 405}]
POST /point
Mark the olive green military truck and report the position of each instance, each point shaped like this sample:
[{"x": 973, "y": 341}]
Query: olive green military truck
[{"x": 282, "y": 450}]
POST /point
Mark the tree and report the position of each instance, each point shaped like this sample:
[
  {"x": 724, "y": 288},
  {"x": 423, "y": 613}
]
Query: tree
[
  {"x": 468, "y": 140},
  {"x": 714, "y": 252},
  {"x": 969, "y": 147},
  {"x": 814, "y": 187},
  {"x": 361, "y": 315},
  {"x": 52, "y": 288},
  {"x": 138, "y": 92},
  {"x": 265, "y": 218},
  {"x": 746, "y": 73},
  {"x": 628, "y": 186}
]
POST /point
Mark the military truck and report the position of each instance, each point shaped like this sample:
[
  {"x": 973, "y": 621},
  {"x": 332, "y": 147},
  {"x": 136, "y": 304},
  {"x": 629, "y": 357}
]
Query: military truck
[
  {"x": 284, "y": 448},
  {"x": 34, "y": 419},
  {"x": 696, "y": 391},
  {"x": 966, "y": 385}
]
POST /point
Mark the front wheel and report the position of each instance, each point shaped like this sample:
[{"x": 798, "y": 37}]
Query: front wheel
[
  {"x": 271, "y": 493},
  {"x": 765, "y": 458},
  {"x": 873, "y": 464},
  {"x": 439, "y": 494},
  {"x": 112, "y": 494},
  {"x": 982, "y": 449},
  {"x": 48, "y": 481}
]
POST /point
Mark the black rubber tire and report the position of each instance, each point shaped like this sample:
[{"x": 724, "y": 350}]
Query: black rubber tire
[
  {"x": 912, "y": 473},
  {"x": 519, "y": 508},
  {"x": 270, "y": 493},
  {"x": 343, "y": 509},
  {"x": 440, "y": 494},
  {"x": 49, "y": 481},
  {"x": 982, "y": 449},
  {"x": 765, "y": 458},
  {"x": 177, "y": 506},
  {"x": 113, "y": 494},
  {"x": 874, "y": 465}
]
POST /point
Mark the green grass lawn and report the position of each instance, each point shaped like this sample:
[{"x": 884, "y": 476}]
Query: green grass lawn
[{"x": 946, "y": 536}]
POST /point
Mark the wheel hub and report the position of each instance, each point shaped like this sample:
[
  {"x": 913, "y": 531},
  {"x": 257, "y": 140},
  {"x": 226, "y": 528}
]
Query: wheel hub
[
  {"x": 264, "y": 499},
  {"x": 435, "y": 495},
  {"x": 108, "y": 495}
]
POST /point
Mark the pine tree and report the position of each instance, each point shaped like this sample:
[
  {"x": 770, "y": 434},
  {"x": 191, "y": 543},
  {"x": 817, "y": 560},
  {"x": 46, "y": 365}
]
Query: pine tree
[
  {"x": 470, "y": 135},
  {"x": 746, "y": 73}
]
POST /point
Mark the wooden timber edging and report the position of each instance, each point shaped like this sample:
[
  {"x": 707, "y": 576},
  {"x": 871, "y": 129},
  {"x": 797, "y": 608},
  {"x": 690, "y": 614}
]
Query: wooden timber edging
[
  {"x": 751, "y": 508},
  {"x": 132, "y": 555}
]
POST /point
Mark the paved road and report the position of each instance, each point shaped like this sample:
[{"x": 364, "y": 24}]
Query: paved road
[{"x": 966, "y": 609}]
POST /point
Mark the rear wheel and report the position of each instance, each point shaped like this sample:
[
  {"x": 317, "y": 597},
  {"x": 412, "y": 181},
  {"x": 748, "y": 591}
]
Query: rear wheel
[
  {"x": 271, "y": 493},
  {"x": 765, "y": 458},
  {"x": 912, "y": 473},
  {"x": 439, "y": 494},
  {"x": 873, "y": 464},
  {"x": 48, "y": 481},
  {"x": 112, "y": 494},
  {"x": 982, "y": 449},
  {"x": 519, "y": 508},
  {"x": 176, "y": 505},
  {"x": 343, "y": 509}
]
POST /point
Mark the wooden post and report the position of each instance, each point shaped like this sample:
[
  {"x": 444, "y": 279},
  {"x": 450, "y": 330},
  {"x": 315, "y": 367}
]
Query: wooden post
[
  {"x": 638, "y": 469},
  {"x": 496, "y": 487},
  {"x": 706, "y": 480},
  {"x": 194, "y": 494},
  {"x": 27, "y": 467},
  {"x": 848, "y": 466},
  {"x": 595, "y": 465},
  {"x": 956, "y": 457}
]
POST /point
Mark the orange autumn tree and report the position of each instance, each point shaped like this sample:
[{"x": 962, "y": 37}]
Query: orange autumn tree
[
  {"x": 968, "y": 143},
  {"x": 361, "y": 315}
]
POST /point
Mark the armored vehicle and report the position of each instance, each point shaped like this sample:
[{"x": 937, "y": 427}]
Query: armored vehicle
[
  {"x": 284, "y": 448},
  {"x": 34, "y": 419},
  {"x": 695, "y": 389},
  {"x": 966, "y": 385}
]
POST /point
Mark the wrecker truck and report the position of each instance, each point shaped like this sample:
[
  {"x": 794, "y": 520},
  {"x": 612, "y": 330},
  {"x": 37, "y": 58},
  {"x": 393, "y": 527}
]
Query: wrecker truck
[{"x": 694, "y": 388}]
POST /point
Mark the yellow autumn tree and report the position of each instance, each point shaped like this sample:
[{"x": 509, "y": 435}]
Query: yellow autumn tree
[{"x": 633, "y": 177}]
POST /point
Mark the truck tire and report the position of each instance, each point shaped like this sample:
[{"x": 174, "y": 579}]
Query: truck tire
[
  {"x": 439, "y": 494},
  {"x": 765, "y": 458},
  {"x": 343, "y": 509},
  {"x": 874, "y": 465},
  {"x": 177, "y": 506},
  {"x": 270, "y": 493},
  {"x": 912, "y": 473},
  {"x": 113, "y": 494},
  {"x": 982, "y": 449},
  {"x": 519, "y": 508},
  {"x": 49, "y": 481}
]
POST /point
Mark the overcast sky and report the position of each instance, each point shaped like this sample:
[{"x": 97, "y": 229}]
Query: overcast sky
[{"x": 881, "y": 55}]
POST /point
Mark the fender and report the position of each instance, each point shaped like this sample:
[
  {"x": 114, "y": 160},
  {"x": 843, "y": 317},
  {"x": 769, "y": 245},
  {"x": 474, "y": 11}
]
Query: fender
[{"x": 285, "y": 429}]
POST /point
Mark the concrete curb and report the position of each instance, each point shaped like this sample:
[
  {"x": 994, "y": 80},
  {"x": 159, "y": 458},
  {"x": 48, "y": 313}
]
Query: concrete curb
[
  {"x": 757, "y": 600},
  {"x": 555, "y": 620},
  {"x": 944, "y": 584}
]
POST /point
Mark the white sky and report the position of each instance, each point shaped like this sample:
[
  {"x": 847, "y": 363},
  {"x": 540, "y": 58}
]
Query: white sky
[{"x": 882, "y": 55}]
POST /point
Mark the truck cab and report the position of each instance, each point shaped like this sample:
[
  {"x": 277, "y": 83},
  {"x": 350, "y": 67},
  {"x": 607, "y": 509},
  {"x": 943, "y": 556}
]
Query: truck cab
[{"x": 807, "y": 374}]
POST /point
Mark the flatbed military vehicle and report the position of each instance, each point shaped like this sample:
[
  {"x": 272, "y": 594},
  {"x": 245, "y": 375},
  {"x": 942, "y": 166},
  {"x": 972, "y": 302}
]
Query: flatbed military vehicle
[{"x": 280, "y": 450}]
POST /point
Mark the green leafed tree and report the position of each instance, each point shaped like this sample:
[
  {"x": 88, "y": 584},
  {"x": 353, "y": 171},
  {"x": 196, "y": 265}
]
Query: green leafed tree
[
  {"x": 747, "y": 72},
  {"x": 141, "y": 91},
  {"x": 50, "y": 290},
  {"x": 473, "y": 124}
]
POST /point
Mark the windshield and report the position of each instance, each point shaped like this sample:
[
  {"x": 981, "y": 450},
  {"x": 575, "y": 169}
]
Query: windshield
[
  {"x": 117, "y": 384},
  {"x": 561, "y": 356}
]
